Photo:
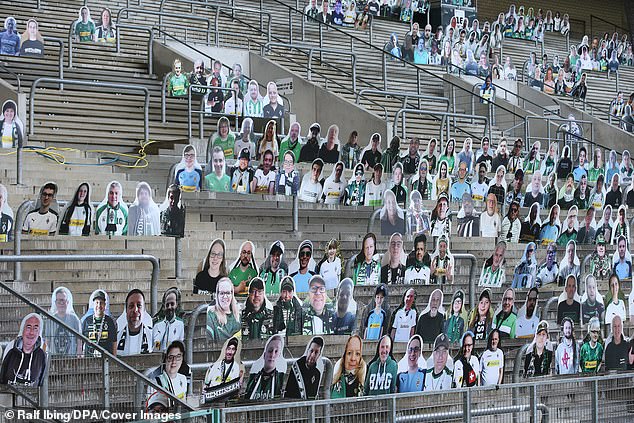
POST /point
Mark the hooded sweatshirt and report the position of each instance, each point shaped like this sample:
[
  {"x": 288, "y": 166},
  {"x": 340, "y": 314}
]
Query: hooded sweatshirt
[
  {"x": 381, "y": 377},
  {"x": 20, "y": 367}
]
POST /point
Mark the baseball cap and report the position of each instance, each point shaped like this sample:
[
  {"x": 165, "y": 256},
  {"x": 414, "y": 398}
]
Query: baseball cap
[
  {"x": 381, "y": 289},
  {"x": 441, "y": 341},
  {"x": 600, "y": 239},
  {"x": 543, "y": 325},
  {"x": 99, "y": 295},
  {"x": 256, "y": 283},
  {"x": 316, "y": 279},
  {"x": 244, "y": 154},
  {"x": 287, "y": 284}
]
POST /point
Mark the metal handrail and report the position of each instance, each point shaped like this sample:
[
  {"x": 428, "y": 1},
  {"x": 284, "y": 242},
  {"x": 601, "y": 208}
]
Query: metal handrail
[
  {"x": 150, "y": 43},
  {"x": 104, "y": 352},
  {"x": 518, "y": 362},
  {"x": 61, "y": 81},
  {"x": 202, "y": 112},
  {"x": 311, "y": 50},
  {"x": 60, "y": 58},
  {"x": 548, "y": 120},
  {"x": 20, "y": 215},
  {"x": 405, "y": 95},
  {"x": 445, "y": 116},
  {"x": 13, "y": 74},
  {"x": 191, "y": 330},
  {"x": 161, "y": 14},
  {"x": 224, "y": 6},
  {"x": 546, "y": 309}
]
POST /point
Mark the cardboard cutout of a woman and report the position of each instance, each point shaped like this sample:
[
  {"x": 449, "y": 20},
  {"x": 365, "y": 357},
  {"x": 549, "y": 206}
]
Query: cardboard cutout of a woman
[
  {"x": 304, "y": 378},
  {"x": 224, "y": 378},
  {"x": 223, "y": 318},
  {"x": 267, "y": 373},
  {"x": 78, "y": 216},
  {"x": 188, "y": 173},
  {"x": 84, "y": 27},
  {"x": 349, "y": 372},
  {"x": 11, "y": 127}
]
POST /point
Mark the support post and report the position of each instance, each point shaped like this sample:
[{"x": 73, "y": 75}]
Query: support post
[
  {"x": 295, "y": 214},
  {"x": 178, "y": 257}
]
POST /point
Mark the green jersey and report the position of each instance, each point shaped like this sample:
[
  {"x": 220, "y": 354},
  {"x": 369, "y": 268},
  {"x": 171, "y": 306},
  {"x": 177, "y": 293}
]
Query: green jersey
[
  {"x": 177, "y": 85},
  {"x": 591, "y": 358},
  {"x": 216, "y": 184},
  {"x": 226, "y": 145},
  {"x": 237, "y": 275},
  {"x": 286, "y": 146},
  {"x": 85, "y": 31}
]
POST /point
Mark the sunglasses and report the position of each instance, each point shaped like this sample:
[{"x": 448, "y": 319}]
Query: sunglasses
[{"x": 305, "y": 254}]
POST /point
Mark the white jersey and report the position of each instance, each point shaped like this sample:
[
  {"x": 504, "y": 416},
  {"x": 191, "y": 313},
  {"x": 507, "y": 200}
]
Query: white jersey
[
  {"x": 458, "y": 370},
  {"x": 374, "y": 194},
  {"x": 263, "y": 182},
  {"x": 404, "y": 321},
  {"x": 164, "y": 333},
  {"x": 310, "y": 191},
  {"x": 141, "y": 343},
  {"x": 333, "y": 191},
  {"x": 417, "y": 276},
  {"x": 77, "y": 221},
  {"x": 490, "y": 364},
  {"x": 441, "y": 382},
  {"x": 331, "y": 273},
  {"x": 524, "y": 327},
  {"x": 489, "y": 225},
  {"x": 479, "y": 192},
  {"x": 37, "y": 223},
  {"x": 564, "y": 359}
]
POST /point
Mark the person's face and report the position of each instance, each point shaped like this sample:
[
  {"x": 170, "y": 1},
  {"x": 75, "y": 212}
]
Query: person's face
[
  {"x": 81, "y": 194},
  {"x": 315, "y": 171},
  {"x": 199, "y": 68},
  {"x": 256, "y": 296},
  {"x": 622, "y": 216},
  {"x": 482, "y": 172},
  {"x": 378, "y": 299},
  {"x": 174, "y": 360},
  {"x": 368, "y": 248},
  {"x": 582, "y": 157},
  {"x": 413, "y": 352},
  {"x": 378, "y": 174},
  {"x": 440, "y": 358},
  {"x": 332, "y": 252},
  {"x": 396, "y": 246},
  {"x": 450, "y": 147},
  {"x": 622, "y": 248},
  {"x": 541, "y": 338},
  {"x": 338, "y": 172},
  {"x": 246, "y": 254},
  {"x": 567, "y": 329},
  {"x": 508, "y": 301},
  {"x": 420, "y": 251},
  {"x": 499, "y": 175},
  {"x": 230, "y": 352},
  {"x": 267, "y": 162},
  {"x": 294, "y": 132},
  {"x": 617, "y": 328},
  {"x": 375, "y": 143},
  {"x": 218, "y": 162},
  {"x": 384, "y": 348},
  {"x": 462, "y": 170},
  {"x": 570, "y": 251},
  {"x": 190, "y": 157},
  {"x": 99, "y": 306},
  {"x": 529, "y": 252},
  {"x": 550, "y": 255},
  {"x": 594, "y": 335},
  {"x": 601, "y": 250},
  {"x": 317, "y": 297},
  {"x": 442, "y": 211},
  {"x": 353, "y": 354},
  {"x": 314, "y": 351},
  {"x": 409, "y": 298},
  {"x": 144, "y": 197},
  {"x": 216, "y": 255},
  {"x": 324, "y": 6},
  {"x": 583, "y": 184},
  {"x": 253, "y": 92},
  {"x": 614, "y": 287},
  {"x": 498, "y": 256},
  {"x": 47, "y": 197},
  {"x": 571, "y": 288},
  {"x": 170, "y": 305},
  {"x": 443, "y": 248},
  {"x": 276, "y": 258},
  {"x": 468, "y": 345},
  {"x": 223, "y": 129},
  {"x": 591, "y": 291},
  {"x": 491, "y": 203},
  {"x": 434, "y": 302},
  {"x": 413, "y": 148},
  {"x": 272, "y": 353},
  {"x": 84, "y": 14},
  {"x": 304, "y": 257},
  {"x": 31, "y": 332},
  {"x": 32, "y": 28},
  {"x": 9, "y": 114},
  {"x": 225, "y": 295},
  {"x": 61, "y": 303},
  {"x": 358, "y": 175},
  {"x": 272, "y": 92},
  {"x": 572, "y": 218},
  {"x": 483, "y": 306},
  {"x": 286, "y": 295},
  {"x": 531, "y": 303},
  {"x": 177, "y": 69},
  {"x": 536, "y": 182},
  {"x": 134, "y": 310}
]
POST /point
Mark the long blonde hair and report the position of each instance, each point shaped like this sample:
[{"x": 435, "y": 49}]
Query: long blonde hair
[
  {"x": 340, "y": 365},
  {"x": 233, "y": 307}
]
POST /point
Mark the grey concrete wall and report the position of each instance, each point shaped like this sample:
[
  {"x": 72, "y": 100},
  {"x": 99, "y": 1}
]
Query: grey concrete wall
[{"x": 311, "y": 103}]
